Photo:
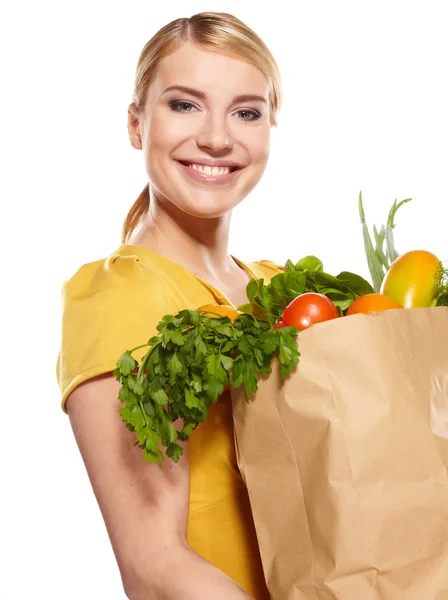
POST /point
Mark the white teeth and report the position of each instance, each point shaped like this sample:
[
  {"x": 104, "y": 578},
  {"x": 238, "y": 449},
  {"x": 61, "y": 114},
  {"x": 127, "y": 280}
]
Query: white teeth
[{"x": 213, "y": 171}]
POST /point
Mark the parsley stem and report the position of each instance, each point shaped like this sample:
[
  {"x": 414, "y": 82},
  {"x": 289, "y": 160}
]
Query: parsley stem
[
  {"x": 138, "y": 348},
  {"x": 144, "y": 414},
  {"x": 145, "y": 358}
]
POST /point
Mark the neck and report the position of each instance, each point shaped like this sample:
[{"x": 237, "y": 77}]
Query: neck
[{"x": 199, "y": 244}]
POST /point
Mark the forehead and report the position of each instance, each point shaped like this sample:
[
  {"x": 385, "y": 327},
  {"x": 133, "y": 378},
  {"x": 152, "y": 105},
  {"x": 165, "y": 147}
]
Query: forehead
[{"x": 217, "y": 75}]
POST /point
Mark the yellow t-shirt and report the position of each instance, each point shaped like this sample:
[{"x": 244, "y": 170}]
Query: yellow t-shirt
[{"x": 115, "y": 304}]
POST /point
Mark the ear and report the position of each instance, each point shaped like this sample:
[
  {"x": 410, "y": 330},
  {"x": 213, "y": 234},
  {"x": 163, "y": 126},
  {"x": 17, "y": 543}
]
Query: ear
[{"x": 134, "y": 128}]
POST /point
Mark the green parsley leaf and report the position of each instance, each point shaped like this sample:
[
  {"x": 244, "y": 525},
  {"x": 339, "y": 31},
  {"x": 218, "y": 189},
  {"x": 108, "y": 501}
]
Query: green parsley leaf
[
  {"x": 174, "y": 367},
  {"x": 126, "y": 364}
]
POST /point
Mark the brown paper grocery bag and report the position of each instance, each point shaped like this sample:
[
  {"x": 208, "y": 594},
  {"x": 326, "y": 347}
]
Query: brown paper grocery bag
[{"x": 346, "y": 461}]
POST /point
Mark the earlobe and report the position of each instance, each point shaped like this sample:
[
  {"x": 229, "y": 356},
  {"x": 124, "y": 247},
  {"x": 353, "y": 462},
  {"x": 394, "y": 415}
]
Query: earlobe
[
  {"x": 136, "y": 141},
  {"x": 133, "y": 130}
]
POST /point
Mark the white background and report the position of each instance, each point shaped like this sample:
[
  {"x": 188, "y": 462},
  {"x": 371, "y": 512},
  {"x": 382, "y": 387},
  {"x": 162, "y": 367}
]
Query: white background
[{"x": 365, "y": 109}]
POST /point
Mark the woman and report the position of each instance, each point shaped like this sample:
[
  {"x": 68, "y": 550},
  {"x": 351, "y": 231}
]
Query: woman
[{"x": 207, "y": 92}]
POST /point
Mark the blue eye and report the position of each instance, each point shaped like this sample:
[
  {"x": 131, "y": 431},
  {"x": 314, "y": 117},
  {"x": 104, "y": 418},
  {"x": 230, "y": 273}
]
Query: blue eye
[
  {"x": 176, "y": 106},
  {"x": 253, "y": 113},
  {"x": 185, "y": 107}
]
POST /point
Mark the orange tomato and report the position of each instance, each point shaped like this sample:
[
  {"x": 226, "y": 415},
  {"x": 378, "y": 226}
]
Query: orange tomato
[
  {"x": 216, "y": 310},
  {"x": 411, "y": 279},
  {"x": 371, "y": 303}
]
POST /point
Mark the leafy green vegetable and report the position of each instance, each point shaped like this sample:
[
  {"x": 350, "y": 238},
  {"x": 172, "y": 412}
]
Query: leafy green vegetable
[
  {"x": 186, "y": 368},
  {"x": 269, "y": 301}
]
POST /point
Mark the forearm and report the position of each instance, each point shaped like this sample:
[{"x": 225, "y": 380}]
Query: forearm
[{"x": 188, "y": 576}]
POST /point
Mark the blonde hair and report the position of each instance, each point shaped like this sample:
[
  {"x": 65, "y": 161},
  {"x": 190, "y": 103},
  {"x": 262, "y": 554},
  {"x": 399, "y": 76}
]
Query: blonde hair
[{"x": 215, "y": 31}]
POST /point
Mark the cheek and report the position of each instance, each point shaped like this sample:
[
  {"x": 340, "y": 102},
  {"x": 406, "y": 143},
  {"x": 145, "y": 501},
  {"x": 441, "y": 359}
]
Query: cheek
[
  {"x": 163, "y": 136},
  {"x": 258, "y": 143},
  {"x": 165, "y": 132}
]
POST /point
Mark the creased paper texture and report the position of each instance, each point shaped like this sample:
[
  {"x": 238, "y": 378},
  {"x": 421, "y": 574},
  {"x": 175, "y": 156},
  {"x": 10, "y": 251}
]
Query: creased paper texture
[{"x": 346, "y": 461}]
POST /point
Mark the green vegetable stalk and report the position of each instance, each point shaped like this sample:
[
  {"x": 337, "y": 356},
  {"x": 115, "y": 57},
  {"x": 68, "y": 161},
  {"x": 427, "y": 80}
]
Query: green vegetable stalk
[{"x": 379, "y": 259}]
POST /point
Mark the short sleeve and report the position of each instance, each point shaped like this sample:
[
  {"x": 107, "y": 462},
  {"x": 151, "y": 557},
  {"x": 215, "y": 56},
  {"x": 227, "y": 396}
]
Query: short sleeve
[
  {"x": 271, "y": 267},
  {"x": 108, "y": 306}
]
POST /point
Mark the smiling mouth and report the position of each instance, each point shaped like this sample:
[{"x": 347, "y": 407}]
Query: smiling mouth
[{"x": 208, "y": 170}]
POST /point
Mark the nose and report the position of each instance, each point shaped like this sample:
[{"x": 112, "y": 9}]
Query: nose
[{"x": 215, "y": 134}]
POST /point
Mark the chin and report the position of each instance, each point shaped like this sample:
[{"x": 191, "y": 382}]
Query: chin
[
  {"x": 206, "y": 204},
  {"x": 207, "y": 209}
]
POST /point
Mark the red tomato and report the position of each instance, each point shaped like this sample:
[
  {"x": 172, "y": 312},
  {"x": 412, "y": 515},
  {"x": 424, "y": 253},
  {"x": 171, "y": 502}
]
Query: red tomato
[
  {"x": 226, "y": 387},
  {"x": 279, "y": 325},
  {"x": 308, "y": 309}
]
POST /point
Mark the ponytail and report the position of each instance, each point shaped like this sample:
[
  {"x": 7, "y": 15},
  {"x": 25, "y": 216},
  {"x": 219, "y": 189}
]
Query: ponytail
[{"x": 136, "y": 215}]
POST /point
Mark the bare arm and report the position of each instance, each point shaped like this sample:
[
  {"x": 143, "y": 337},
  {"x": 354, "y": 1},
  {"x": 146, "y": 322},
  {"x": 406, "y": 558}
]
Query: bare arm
[{"x": 145, "y": 508}]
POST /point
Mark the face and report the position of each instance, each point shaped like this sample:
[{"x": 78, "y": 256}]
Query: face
[{"x": 222, "y": 119}]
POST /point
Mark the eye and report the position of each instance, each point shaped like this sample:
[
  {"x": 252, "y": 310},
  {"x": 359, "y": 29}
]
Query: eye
[
  {"x": 251, "y": 115},
  {"x": 181, "y": 106}
]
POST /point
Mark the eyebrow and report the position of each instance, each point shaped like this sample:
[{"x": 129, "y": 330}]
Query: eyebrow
[{"x": 202, "y": 96}]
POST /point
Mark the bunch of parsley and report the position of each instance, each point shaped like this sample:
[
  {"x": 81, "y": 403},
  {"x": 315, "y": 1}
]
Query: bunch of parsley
[{"x": 186, "y": 369}]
